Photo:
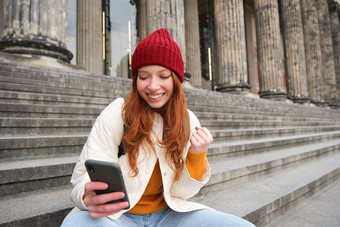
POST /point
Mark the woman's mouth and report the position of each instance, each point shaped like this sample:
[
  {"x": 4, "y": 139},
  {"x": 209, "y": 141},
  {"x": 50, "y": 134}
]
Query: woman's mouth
[{"x": 154, "y": 97}]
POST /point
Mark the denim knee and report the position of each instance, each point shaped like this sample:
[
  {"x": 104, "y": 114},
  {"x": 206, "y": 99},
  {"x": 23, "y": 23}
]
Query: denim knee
[
  {"x": 83, "y": 218},
  {"x": 217, "y": 218}
]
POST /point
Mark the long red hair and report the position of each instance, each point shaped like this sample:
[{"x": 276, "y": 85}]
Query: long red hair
[{"x": 138, "y": 121}]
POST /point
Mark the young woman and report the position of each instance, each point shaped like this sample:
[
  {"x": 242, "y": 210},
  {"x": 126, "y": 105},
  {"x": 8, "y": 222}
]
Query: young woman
[{"x": 165, "y": 150}]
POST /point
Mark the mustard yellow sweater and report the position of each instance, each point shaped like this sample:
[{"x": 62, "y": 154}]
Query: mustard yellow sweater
[{"x": 152, "y": 199}]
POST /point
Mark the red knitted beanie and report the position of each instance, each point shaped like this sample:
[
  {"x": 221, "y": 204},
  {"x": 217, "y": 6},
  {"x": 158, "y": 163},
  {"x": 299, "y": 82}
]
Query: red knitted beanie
[{"x": 159, "y": 49}]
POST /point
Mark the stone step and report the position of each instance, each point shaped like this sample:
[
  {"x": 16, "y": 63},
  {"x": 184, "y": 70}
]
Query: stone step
[
  {"x": 75, "y": 77},
  {"x": 16, "y": 110},
  {"x": 102, "y": 84},
  {"x": 229, "y": 172},
  {"x": 241, "y": 124},
  {"x": 46, "y": 115},
  {"x": 51, "y": 99},
  {"x": 29, "y": 146},
  {"x": 256, "y": 133},
  {"x": 15, "y": 126},
  {"x": 24, "y": 168},
  {"x": 22, "y": 125},
  {"x": 265, "y": 198},
  {"x": 17, "y": 93},
  {"x": 32, "y": 146},
  {"x": 66, "y": 83},
  {"x": 226, "y": 100},
  {"x": 222, "y": 171},
  {"x": 321, "y": 209},
  {"x": 223, "y": 149},
  {"x": 78, "y": 87},
  {"x": 56, "y": 75},
  {"x": 311, "y": 114},
  {"x": 36, "y": 174},
  {"x": 70, "y": 111},
  {"x": 41, "y": 208},
  {"x": 260, "y": 117},
  {"x": 61, "y": 91}
]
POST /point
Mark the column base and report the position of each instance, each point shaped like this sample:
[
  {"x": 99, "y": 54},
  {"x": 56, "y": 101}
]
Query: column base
[
  {"x": 334, "y": 104},
  {"x": 233, "y": 88},
  {"x": 300, "y": 100},
  {"x": 35, "y": 47},
  {"x": 319, "y": 103},
  {"x": 274, "y": 95},
  {"x": 39, "y": 61}
]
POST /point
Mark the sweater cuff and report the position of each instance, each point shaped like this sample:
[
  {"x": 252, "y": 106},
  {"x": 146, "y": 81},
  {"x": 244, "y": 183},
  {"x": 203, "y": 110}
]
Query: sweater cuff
[{"x": 196, "y": 163}]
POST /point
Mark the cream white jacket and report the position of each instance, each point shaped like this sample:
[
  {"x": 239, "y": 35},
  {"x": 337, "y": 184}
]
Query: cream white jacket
[{"x": 102, "y": 144}]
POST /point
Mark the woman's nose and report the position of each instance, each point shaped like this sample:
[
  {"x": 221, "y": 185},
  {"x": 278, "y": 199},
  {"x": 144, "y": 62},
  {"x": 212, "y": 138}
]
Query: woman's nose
[{"x": 154, "y": 84}]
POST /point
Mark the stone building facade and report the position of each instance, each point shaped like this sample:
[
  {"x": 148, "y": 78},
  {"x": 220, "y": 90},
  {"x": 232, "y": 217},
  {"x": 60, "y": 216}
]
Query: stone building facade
[{"x": 284, "y": 50}]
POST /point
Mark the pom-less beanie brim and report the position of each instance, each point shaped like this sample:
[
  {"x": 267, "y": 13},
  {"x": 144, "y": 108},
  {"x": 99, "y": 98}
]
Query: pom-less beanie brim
[{"x": 159, "y": 48}]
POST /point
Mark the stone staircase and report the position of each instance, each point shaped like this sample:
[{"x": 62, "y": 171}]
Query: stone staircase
[{"x": 266, "y": 157}]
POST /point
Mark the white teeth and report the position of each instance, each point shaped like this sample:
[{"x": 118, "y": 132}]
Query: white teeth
[{"x": 155, "y": 96}]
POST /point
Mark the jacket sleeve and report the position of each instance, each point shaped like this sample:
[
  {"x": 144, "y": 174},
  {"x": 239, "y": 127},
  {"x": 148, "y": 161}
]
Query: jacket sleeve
[
  {"x": 102, "y": 144},
  {"x": 186, "y": 187}
]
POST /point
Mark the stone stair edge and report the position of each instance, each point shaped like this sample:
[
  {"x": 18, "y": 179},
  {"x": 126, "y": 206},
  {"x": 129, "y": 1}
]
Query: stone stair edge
[
  {"x": 60, "y": 72},
  {"x": 252, "y": 210},
  {"x": 249, "y": 170},
  {"x": 59, "y": 91},
  {"x": 76, "y": 85},
  {"x": 55, "y": 72},
  {"x": 68, "y": 108},
  {"x": 236, "y": 148},
  {"x": 26, "y": 206},
  {"x": 197, "y": 106},
  {"x": 52, "y": 98},
  {"x": 223, "y": 95},
  {"x": 252, "y": 168}
]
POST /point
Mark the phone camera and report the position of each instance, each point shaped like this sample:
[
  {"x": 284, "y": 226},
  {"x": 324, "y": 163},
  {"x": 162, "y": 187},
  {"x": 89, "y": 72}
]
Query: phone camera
[{"x": 91, "y": 169}]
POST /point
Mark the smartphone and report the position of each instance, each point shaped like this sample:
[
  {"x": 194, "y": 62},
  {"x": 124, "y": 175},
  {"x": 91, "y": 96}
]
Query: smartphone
[{"x": 110, "y": 173}]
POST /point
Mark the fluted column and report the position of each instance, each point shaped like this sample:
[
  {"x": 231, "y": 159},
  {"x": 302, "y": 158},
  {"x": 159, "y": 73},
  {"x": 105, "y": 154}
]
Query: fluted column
[
  {"x": 34, "y": 27},
  {"x": 231, "y": 46},
  {"x": 167, "y": 14},
  {"x": 2, "y": 17},
  {"x": 142, "y": 21},
  {"x": 192, "y": 43},
  {"x": 89, "y": 36},
  {"x": 334, "y": 11},
  {"x": 315, "y": 83},
  {"x": 270, "y": 52},
  {"x": 328, "y": 68},
  {"x": 294, "y": 51}
]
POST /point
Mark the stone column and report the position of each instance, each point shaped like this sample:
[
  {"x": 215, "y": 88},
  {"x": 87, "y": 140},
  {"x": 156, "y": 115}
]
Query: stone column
[
  {"x": 90, "y": 36},
  {"x": 269, "y": 50},
  {"x": 294, "y": 51},
  {"x": 316, "y": 88},
  {"x": 167, "y": 14},
  {"x": 231, "y": 62},
  {"x": 334, "y": 11},
  {"x": 2, "y": 17},
  {"x": 35, "y": 28},
  {"x": 142, "y": 25},
  {"x": 192, "y": 43},
  {"x": 328, "y": 69},
  {"x": 251, "y": 50}
]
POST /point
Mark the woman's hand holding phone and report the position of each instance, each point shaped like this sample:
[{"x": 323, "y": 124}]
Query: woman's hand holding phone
[{"x": 97, "y": 204}]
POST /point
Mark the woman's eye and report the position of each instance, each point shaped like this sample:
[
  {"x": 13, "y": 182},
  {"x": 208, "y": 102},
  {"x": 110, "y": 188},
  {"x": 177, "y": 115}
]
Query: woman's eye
[
  {"x": 165, "y": 77},
  {"x": 142, "y": 77}
]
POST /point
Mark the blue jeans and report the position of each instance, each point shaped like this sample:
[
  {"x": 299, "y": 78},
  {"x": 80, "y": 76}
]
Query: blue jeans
[{"x": 163, "y": 218}]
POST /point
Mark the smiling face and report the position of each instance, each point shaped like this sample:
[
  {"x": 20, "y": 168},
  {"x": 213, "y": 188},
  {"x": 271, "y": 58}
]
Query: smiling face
[{"x": 155, "y": 85}]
